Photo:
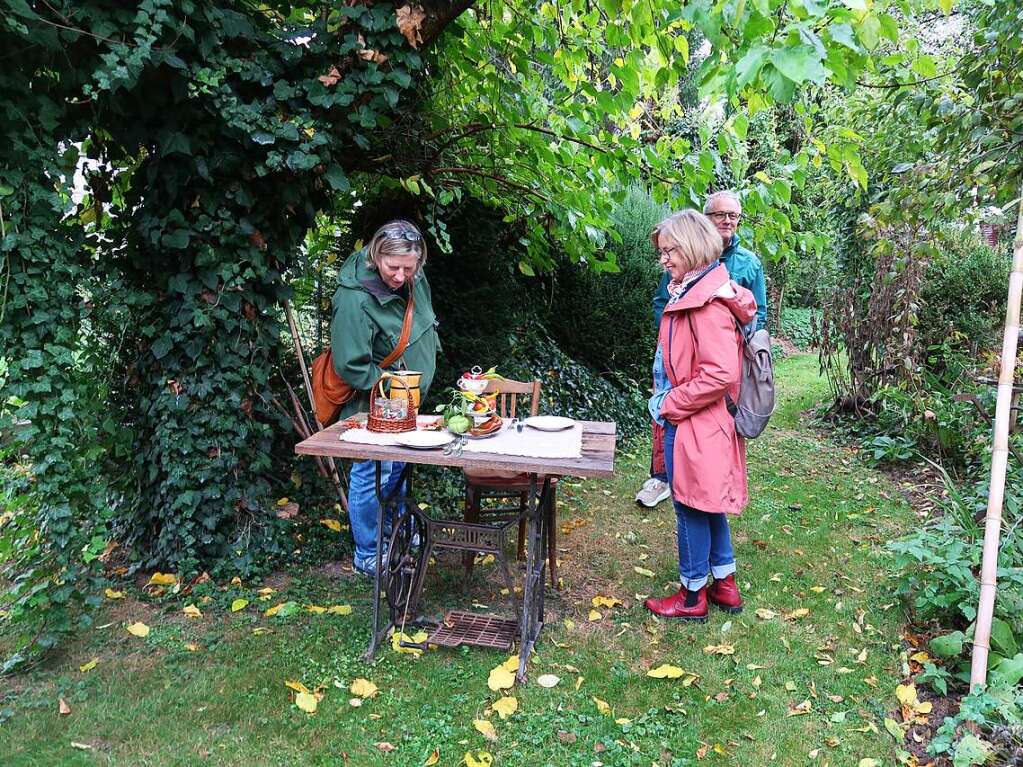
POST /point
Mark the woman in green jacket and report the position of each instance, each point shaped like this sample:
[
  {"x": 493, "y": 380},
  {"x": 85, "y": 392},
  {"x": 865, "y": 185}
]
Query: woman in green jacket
[{"x": 369, "y": 310}]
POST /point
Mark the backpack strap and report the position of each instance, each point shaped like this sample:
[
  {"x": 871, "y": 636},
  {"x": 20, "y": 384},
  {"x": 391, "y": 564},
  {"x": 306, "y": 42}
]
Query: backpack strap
[{"x": 406, "y": 331}]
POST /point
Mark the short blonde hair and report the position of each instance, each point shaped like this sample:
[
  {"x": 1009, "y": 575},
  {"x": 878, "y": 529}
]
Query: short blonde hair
[
  {"x": 698, "y": 242},
  {"x": 396, "y": 238}
]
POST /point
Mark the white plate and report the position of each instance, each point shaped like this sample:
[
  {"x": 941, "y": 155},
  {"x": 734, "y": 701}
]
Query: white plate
[
  {"x": 549, "y": 422},
  {"x": 424, "y": 440}
]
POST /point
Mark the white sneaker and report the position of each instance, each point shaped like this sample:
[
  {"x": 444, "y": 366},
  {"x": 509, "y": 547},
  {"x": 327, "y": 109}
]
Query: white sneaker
[{"x": 653, "y": 492}]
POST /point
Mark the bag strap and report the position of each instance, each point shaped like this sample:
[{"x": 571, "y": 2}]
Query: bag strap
[{"x": 406, "y": 331}]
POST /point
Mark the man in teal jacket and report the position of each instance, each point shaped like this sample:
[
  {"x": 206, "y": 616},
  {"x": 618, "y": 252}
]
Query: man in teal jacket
[{"x": 725, "y": 211}]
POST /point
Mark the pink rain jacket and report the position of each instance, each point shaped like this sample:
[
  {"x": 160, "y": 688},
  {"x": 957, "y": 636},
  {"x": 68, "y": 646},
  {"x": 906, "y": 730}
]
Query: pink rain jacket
[{"x": 702, "y": 353}]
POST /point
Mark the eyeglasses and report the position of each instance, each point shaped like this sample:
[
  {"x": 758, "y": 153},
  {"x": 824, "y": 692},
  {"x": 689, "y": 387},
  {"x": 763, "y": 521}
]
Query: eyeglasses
[
  {"x": 721, "y": 215},
  {"x": 666, "y": 252},
  {"x": 402, "y": 235}
]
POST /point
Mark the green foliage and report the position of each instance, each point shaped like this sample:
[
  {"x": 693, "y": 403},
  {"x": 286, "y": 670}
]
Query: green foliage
[
  {"x": 606, "y": 318},
  {"x": 797, "y": 326},
  {"x": 963, "y": 296}
]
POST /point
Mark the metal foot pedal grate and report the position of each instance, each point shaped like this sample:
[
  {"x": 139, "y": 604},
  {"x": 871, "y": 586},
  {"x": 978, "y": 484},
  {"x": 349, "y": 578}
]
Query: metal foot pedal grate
[{"x": 460, "y": 628}]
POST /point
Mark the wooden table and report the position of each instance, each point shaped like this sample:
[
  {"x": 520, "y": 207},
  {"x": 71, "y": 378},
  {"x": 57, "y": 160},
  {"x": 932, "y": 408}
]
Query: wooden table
[{"x": 401, "y": 568}]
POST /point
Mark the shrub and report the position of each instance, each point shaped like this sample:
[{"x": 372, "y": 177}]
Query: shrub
[
  {"x": 606, "y": 319},
  {"x": 797, "y": 326}
]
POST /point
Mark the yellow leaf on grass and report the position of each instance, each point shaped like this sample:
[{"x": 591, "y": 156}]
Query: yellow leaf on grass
[
  {"x": 602, "y": 706},
  {"x": 817, "y": 589},
  {"x": 602, "y": 601},
  {"x": 505, "y": 706},
  {"x": 363, "y": 688},
  {"x": 644, "y": 571},
  {"x": 306, "y": 701},
  {"x": 88, "y": 666},
  {"x": 594, "y": 616},
  {"x": 485, "y": 728},
  {"x": 265, "y": 593},
  {"x": 192, "y": 611},
  {"x": 433, "y": 758},
  {"x": 162, "y": 579},
  {"x": 138, "y": 629},
  {"x": 297, "y": 686},
  {"x": 331, "y": 524},
  {"x": 260, "y": 630},
  {"x": 511, "y": 664},
  {"x": 795, "y": 615},
  {"x": 666, "y": 671},
  {"x": 315, "y": 609},
  {"x": 239, "y": 604},
  {"x": 236, "y": 581},
  {"x": 765, "y": 615},
  {"x": 800, "y": 709},
  {"x": 501, "y": 678},
  {"x": 339, "y": 610},
  {"x": 719, "y": 649},
  {"x": 480, "y": 759},
  {"x": 271, "y": 612},
  {"x": 111, "y": 594}
]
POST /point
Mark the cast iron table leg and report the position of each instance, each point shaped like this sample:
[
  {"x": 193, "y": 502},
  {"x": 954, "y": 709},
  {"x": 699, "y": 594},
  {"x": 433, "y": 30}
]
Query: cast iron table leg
[
  {"x": 536, "y": 566},
  {"x": 385, "y": 510}
]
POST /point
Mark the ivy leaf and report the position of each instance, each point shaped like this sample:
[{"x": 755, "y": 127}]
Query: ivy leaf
[{"x": 337, "y": 178}]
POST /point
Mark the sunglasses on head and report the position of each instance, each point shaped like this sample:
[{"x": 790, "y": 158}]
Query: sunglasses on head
[{"x": 403, "y": 235}]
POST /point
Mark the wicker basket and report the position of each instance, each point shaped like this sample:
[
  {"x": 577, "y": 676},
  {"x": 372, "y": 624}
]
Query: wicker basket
[{"x": 377, "y": 421}]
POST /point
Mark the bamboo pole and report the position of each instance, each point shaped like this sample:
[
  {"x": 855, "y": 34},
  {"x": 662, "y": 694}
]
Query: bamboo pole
[
  {"x": 999, "y": 462},
  {"x": 309, "y": 393}
]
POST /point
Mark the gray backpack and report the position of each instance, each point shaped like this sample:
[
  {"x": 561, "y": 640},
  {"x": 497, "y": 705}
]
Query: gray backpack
[{"x": 756, "y": 388}]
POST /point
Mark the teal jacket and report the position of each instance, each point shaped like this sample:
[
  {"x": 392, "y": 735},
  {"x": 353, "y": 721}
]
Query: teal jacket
[
  {"x": 743, "y": 266},
  {"x": 367, "y": 322}
]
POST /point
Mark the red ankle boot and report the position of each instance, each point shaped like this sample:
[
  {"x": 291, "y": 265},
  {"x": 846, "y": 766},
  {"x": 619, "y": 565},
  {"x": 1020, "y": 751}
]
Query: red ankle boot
[
  {"x": 676, "y": 605},
  {"x": 724, "y": 593}
]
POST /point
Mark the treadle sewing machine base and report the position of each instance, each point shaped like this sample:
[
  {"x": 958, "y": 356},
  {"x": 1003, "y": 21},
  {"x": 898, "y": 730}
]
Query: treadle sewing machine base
[{"x": 404, "y": 550}]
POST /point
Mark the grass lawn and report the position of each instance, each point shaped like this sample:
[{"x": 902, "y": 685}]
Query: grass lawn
[{"x": 803, "y": 676}]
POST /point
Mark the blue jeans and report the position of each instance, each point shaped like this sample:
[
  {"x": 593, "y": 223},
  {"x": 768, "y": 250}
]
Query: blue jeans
[
  {"x": 363, "y": 508},
  {"x": 704, "y": 540}
]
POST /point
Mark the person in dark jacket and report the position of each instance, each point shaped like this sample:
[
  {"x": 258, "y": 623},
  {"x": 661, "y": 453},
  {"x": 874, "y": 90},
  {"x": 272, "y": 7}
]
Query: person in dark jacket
[
  {"x": 724, "y": 211},
  {"x": 369, "y": 310}
]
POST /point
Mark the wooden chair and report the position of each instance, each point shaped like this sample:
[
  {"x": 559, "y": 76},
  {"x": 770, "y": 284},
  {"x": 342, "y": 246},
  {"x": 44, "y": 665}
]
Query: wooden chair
[{"x": 511, "y": 488}]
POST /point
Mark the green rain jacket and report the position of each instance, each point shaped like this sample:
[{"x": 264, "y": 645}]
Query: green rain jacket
[
  {"x": 743, "y": 266},
  {"x": 367, "y": 322}
]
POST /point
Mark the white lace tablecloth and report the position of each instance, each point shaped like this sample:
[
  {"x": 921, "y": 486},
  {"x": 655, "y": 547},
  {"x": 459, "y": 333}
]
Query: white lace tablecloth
[{"x": 529, "y": 442}]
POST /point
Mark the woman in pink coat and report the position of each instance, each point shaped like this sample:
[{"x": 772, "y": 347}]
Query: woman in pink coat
[{"x": 698, "y": 362}]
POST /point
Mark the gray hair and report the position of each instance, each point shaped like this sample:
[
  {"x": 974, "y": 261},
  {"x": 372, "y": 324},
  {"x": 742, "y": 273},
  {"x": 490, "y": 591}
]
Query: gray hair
[
  {"x": 396, "y": 238},
  {"x": 727, "y": 194}
]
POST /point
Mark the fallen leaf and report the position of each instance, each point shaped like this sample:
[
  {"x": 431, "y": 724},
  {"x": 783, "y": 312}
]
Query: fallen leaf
[
  {"x": 594, "y": 616},
  {"x": 868, "y": 763},
  {"x": 88, "y": 666},
  {"x": 162, "y": 579},
  {"x": 567, "y": 737},
  {"x": 399, "y": 636},
  {"x": 800, "y": 708},
  {"x": 384, "y": 747},
  {"x": 111, "y": 594},
  {"x": 505, "y": 706},
  {"x": 260, "y": 630},
  {"x": 192, "y": 647},
  {"x": 795, "y": 615},
  {"x": 339, "y": 610},
  {"x": 363, "y": 688},
  {"x": 481, "y": 759},
  {"x": 306, "y": 701},
  {"x": 720, "y": 649},
  {"x": 894, "y": 729},
  {"x": 239, "y": 604},
  {"x": 765, "y": 615},
  {"x": 192, "y": 611},
  {"x": 81, "y": 746},
  {"x": 602, "y": 601},
  {"x": 297, "y": 686},
  {"x": 331, "y": 524},
  {"x": 644, "y": 571},
  {"x": 433, "y": 758},
  {"x": 501, "y": 678},
  {"x": 355, "y": 702},
  {"x": 284, "y": 609},
  {"x": 62, "y": 707},
  {"x": 602, "y": 706},
  {"x": 666, "y": 671},
  {"x": 138, "y": 629},
  {"x": 315, "y": 609},
  {"x": 485, "y": 728},
  {"x": 548, "y": 680},
  {"x": 817, "y": 589}
]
